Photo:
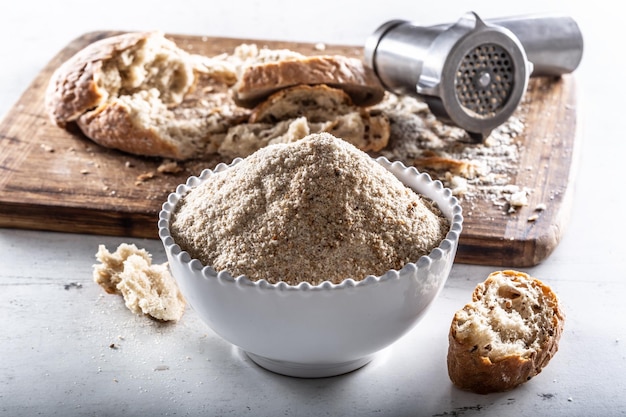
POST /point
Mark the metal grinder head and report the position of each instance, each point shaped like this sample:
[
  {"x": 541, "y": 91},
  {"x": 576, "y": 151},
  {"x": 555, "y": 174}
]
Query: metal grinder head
[{"x": 472, "y": 73}]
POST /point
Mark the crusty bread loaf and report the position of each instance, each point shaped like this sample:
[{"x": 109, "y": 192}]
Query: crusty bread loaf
[
  {"x": 506, "y": 335},
  {"x": 140, "y": 93},
  {"x": 259, "y": 81},
  {"x": 147, "y": 288}
]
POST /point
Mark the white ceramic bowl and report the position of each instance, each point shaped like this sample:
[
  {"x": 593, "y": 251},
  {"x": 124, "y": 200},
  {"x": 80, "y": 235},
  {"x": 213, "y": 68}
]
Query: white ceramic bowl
[{"x": 322, "y": 330}]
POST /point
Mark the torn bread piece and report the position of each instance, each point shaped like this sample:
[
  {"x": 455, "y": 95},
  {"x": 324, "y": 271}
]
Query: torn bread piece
[
  {"x": 506, "y": 335},
  {"x": 329, "y": 110},
  {"x": 295, "y": 112},
  {"x": 142, "y": 94},
  {"x": 146, "y": 288}
]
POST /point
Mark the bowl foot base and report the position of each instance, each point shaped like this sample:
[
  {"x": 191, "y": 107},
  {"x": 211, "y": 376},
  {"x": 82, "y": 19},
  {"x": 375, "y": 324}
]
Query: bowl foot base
[{"x": 307, "y": 370}]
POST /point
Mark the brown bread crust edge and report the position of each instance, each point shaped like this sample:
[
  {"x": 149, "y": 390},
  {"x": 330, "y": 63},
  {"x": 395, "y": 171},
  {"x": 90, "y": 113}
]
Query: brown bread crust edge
[
  {"x": 73, "y": 87},
  {"x": 349, "y": 74},
  {"x": 470, "y": 371},
  {"x": 111, "y": 126}
]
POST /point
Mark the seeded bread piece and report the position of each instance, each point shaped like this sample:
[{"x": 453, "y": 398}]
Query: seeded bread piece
[
  {"x": 259, "y": 81},
  {"x": 140, "y": 93},
  {"x": 506, "y": 335}
]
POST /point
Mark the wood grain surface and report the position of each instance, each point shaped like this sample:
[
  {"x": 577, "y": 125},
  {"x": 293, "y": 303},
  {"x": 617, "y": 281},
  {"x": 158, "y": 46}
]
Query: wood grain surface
[{"x": 58, "y": 180}]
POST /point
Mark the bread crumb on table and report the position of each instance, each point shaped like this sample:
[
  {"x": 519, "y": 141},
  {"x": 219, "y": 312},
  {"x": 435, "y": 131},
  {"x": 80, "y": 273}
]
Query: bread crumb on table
[
  {"x": 533, "y": 217},
  {"x": 169, "y": 167},
  {"x": 146, "y": 176},
  {"x": 147, "y": 288},
  {"x": 47, "y": 148}
]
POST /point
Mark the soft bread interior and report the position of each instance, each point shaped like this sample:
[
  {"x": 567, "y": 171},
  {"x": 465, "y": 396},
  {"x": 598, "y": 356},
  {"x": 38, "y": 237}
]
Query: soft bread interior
[
  {"x": 147, "y": 288},
  {"x": 510, "y": 316},
  {"x": 153, "y": 63},
  {"x": 153, "y": 89}
]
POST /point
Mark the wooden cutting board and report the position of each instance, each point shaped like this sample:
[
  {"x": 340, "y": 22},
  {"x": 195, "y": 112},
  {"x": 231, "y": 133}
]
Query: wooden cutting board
[{"x": 55, "y": 179}]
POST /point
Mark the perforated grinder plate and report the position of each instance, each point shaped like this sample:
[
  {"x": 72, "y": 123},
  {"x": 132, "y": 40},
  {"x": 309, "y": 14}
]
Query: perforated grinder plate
[{"x": 484, "y": 80}]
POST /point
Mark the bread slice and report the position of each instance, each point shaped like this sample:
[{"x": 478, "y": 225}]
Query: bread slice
[
  {"x": 329, "y": 110},
  {"x": 506, "y": 335},
  {"x": 317, "y": 103},
  {"x": 246, "y": 138},
  {"x": 258, "y": 81},
  {"x": 296, "y": 112},
  {"x": 142, "y": 94},
  {"x": 147, "y": 288}
]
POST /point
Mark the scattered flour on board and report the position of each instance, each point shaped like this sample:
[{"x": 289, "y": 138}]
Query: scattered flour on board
[{"x": 473, "y": 171}]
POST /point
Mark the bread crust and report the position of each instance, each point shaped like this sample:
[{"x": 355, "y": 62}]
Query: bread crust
[
  {"x": 141, "y": 94},
  {"x": 349, "y": 74},
  {"x": 112, "y": 126},
  {"x": 317, "y": 103},
  {"x": 73, "y": 87},
  {"x": 121, "y": 100},
  {"x": 470, "y": 369},
  {"x": 326, "y": 109}
]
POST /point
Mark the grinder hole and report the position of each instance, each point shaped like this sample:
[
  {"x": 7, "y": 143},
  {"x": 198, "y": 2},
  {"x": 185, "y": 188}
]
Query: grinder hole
[{"x": 484, "y": 80}]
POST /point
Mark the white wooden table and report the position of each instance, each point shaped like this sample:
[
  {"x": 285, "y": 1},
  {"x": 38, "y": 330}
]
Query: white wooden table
[{"x": 67, "y": 349}]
